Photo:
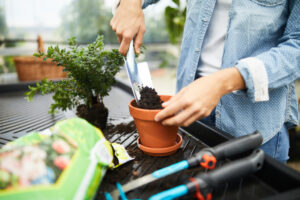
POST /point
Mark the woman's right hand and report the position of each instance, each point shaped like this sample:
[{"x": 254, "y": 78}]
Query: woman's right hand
[{"x": 128, "y": 22}]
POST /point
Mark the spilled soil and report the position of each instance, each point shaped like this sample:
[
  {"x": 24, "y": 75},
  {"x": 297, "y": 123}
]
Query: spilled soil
[{"x": 124, "y": 128}]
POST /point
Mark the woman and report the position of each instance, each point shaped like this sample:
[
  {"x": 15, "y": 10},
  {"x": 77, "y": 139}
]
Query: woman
[{"x": 239, "y": 60}]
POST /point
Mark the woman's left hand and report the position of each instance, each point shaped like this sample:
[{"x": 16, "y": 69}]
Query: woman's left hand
[{"x": 199, "y": 98}]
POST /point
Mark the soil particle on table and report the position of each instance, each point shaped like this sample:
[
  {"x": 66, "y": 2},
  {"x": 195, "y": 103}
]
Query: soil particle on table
[
  {"x": 149, "y": 99},
  {"x": 135, "y": 173},
  {"x": 144, "y": 164},
  {"x": 122, "y": 128},
  {"x": 136, "y": 153}
]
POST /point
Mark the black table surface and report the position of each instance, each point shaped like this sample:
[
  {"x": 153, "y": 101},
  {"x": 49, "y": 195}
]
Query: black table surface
[{"x": 19, "y": 117}]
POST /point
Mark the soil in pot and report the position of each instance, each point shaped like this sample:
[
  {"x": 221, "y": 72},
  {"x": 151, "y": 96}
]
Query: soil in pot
[
  {"x": 149, "y": 99},
  {"x": 154, "y": 138},
  {"x": 96, "y": 115},
  {"x": 153, "y": 134}
]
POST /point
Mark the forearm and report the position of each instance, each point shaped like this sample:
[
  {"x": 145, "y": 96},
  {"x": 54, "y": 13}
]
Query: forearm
[
  {"x": 140, "y": 3},
  {"x": 228, "y": 80},
  {"x": 276, "y": 67},
  {"x": 135, "y": 4},
  {"x": 132, "y": 2}
]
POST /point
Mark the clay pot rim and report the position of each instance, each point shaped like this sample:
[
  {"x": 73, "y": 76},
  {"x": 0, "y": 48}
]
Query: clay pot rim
[
  {"x": 145, "y": 114},
  {"x": 144, "y": 109},
  {"x": 140, "y": 109},
  {"x": 161, "y": 151}
]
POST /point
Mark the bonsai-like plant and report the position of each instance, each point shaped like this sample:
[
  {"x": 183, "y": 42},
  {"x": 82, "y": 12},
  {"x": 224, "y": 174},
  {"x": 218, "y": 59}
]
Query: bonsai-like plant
[{"x": 91, "y": 74}]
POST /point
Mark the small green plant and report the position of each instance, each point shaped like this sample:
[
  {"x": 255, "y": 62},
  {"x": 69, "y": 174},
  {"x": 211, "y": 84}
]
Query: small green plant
[{"x": 91, "y": 74}]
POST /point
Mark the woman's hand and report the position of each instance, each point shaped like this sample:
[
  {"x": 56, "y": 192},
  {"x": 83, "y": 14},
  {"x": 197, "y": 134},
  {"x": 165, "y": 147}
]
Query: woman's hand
[
  {"x": 198, "y": 99},
  {"x": 127, "y": 22}
]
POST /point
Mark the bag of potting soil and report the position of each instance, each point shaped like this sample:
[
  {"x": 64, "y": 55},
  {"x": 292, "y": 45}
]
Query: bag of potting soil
[{"x": 67, "y": 161}]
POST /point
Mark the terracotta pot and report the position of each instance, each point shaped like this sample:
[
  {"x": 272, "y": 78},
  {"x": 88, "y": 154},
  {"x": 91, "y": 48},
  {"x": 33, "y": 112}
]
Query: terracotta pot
[{"x": 154, "y": 134}]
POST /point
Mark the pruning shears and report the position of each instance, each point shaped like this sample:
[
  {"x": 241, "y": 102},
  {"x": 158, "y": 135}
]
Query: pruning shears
[
  {"x": 206, "y": 158},
  {"x": 203, "y": 184}
]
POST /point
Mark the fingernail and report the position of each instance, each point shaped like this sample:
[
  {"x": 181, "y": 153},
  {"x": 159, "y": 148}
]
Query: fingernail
[
  {"x": 165, "y": 104},
  {"x": 156, "y": 119},
  {"x": 138, "y": 51}
]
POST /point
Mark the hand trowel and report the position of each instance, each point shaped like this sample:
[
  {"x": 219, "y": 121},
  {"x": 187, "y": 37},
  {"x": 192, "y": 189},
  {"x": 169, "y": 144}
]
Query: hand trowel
[{"x": 138, "y": 74}]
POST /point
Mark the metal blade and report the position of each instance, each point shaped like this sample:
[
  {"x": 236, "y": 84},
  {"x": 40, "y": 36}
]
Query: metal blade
[
  {"x": 138, "y": 74},
  {"x": 134, "y": 185}
]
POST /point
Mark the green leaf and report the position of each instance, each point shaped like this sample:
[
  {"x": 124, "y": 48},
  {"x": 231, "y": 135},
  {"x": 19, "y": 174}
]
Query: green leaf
[
  {"x": 91, "y": 74},
  {"x": 177, "y": 2},
  {"x": 175, "y": 19}
]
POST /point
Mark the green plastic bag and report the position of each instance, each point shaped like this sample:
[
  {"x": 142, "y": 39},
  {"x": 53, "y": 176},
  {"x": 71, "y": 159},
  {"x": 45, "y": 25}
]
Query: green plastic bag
[{"x": 67, "y": 161}]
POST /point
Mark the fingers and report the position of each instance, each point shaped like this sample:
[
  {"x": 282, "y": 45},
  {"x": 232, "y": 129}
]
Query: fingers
[
  {"x": 113, "y": 24},
  {"x": 119, "y": 39},
  {"x": 186, "y": 117},
  {"x": 114, "y": 28},
  {"x": 174, "y": 98},
  {"x": 171, "y": 107},
  {"x": 139, "y": 39},
  {"x": 126, "y": 39},
  {"x": 180, "y": 118},
  {"x": 182, "y": 111},
  {"x": 127, "y": 22},
  {"x": 169, "y": 111}
]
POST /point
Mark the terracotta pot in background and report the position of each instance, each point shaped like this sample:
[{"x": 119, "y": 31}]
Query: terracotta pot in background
[{"x": 153, "y": 135}]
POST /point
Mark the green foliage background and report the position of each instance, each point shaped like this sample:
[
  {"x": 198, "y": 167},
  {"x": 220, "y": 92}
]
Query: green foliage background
[
  {"x": 175, "y": 19},
  {"x": 85, "y": 19},
  {"x": 3, "y": 26}
]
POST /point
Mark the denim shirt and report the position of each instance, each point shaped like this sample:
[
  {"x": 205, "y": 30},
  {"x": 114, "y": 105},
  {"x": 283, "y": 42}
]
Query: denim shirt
[{"x": 263, "y": 43}]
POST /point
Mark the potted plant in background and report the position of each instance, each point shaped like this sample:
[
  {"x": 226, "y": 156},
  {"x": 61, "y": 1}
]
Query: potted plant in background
[
  {"x": 154, "y": 139},
  {"x": 90, "y": 75},
  {"x": 30, "y": 68}
]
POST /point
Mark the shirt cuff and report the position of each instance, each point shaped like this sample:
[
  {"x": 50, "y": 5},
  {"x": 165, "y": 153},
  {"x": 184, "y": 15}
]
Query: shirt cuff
[
  {"x": 255, "y": 76},
  {"x": 116, "y": 4}
]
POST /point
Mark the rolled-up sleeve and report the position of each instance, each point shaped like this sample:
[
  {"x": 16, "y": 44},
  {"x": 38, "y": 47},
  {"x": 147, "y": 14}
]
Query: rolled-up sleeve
[
  {"x": 149, "y": 2},
  {"x": 277, "y": 67},
  {"x": 256, "y": 78},
  {"x": 145, "y": 3}
]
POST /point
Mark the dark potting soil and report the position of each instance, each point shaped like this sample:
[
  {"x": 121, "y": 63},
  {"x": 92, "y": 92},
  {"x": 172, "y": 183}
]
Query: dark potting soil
[
  {"x": 96, "y": 115},
  {"x": 149, "y": 99},
  {"x": 120, "y": 128},
  {"x": 144, "y": 164},
  {"x": 125, "y": 170}
]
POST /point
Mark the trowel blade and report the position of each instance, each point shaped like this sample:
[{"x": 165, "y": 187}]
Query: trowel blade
[
  {"x": 139, "y": 74},
  {"x": 133, "y": 185}
]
